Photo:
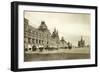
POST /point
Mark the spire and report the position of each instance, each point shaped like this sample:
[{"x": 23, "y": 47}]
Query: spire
[
  {"x": 62, "y": 39},
  {"x": 81, "y": 38},
  {"x": 54, "y": 30},
  {"x": 55, "y": 34}
]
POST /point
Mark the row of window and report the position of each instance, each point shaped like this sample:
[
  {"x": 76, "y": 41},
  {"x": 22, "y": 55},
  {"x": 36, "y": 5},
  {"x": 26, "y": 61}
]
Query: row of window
[
  {"x": 37, "y": 34},
  {"x": 35, "y": 41}
]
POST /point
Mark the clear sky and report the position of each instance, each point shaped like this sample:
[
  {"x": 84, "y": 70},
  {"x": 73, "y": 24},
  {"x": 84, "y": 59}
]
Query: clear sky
[{"x": 69, "y": 25}]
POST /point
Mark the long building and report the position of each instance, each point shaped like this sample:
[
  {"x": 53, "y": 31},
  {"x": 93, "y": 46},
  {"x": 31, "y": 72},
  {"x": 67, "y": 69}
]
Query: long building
[{"x": 41, "y": 37}]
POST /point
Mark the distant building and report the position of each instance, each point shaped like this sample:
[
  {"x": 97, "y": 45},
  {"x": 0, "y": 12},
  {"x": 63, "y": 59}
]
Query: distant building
[
  {"x": 81, "y": 43},
  {"x": 41, "y": 37},
  {"x": 63, "y": 43}
]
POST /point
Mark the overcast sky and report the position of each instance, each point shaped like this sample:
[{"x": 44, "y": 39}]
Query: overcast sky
[{"x": 69, "y": 25}]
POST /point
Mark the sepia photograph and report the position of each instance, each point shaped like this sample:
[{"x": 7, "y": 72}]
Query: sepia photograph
[
  {"x": 48, "y": 36},
  {"x": 56, "y": 36}
]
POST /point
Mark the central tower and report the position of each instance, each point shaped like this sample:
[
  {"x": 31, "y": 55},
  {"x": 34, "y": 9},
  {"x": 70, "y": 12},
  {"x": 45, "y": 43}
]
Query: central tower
[{"x": 43, "y": 26}]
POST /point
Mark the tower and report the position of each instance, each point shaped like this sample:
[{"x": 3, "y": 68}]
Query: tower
[
  {"x": 55, "y": 34},
  {"x": 43, "y": 26},
  {"x": 81, "y": 38},
  {"x": 62, "y": 39},
  {"x": 55, "y": 37},
  {"x": 81, "y": 43}
]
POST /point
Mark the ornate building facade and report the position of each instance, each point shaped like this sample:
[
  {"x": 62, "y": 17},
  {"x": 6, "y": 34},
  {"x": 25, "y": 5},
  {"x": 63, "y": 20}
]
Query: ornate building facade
[{"x": 41, "y": 37}]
